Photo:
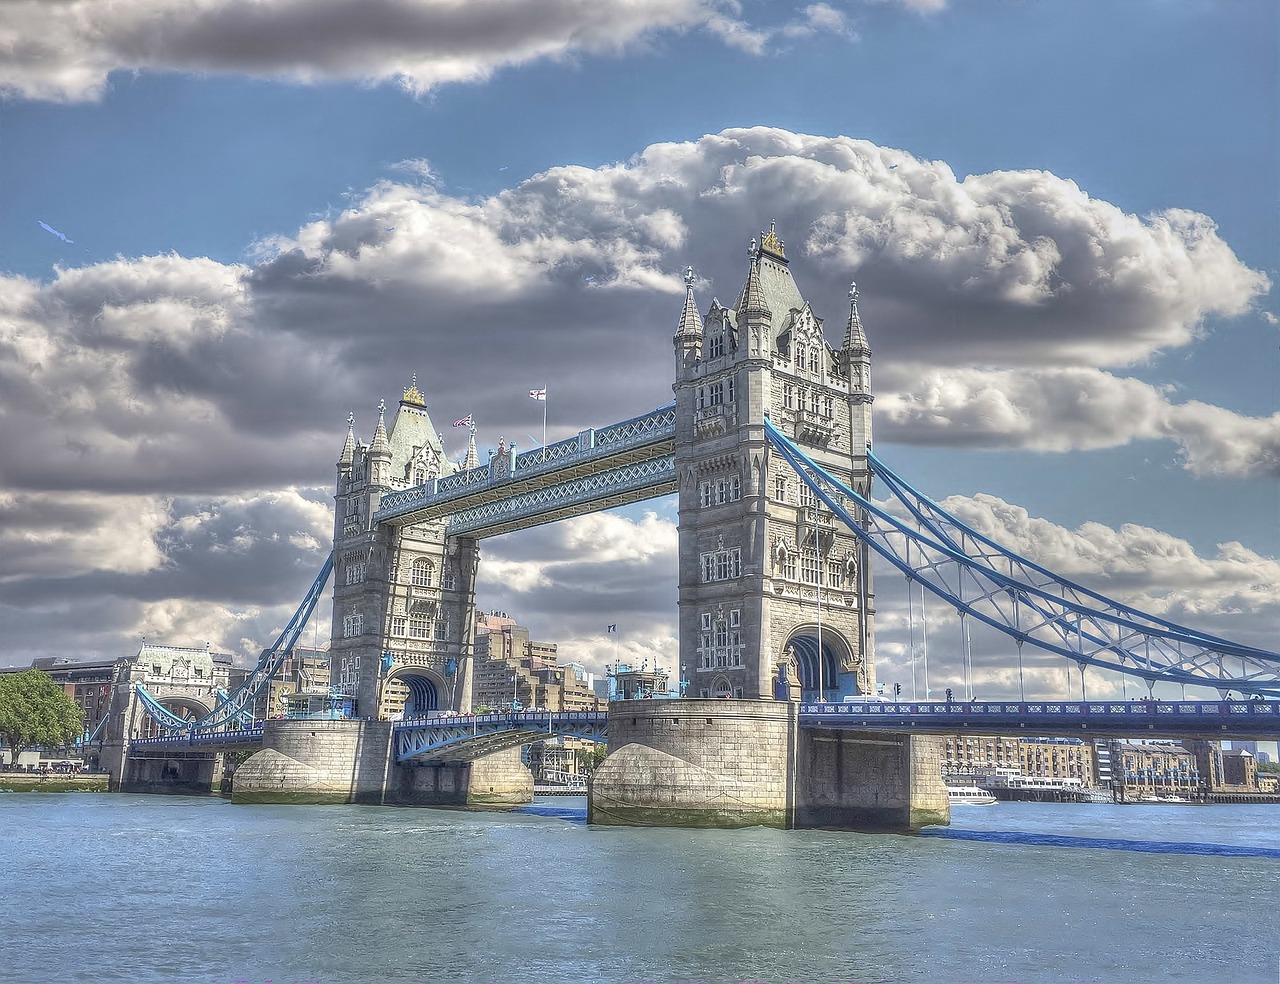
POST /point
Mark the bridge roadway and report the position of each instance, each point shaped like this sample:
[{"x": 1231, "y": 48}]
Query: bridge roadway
[{"x": 464, "y": 737}]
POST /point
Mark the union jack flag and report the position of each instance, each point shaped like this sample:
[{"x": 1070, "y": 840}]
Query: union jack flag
[
  {"x": 540, "y": 394},
  {"x": 464, "y": 422}
]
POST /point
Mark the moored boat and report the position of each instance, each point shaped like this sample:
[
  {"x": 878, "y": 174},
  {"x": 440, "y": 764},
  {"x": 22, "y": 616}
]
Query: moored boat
[{"x": 969, "y": 796}]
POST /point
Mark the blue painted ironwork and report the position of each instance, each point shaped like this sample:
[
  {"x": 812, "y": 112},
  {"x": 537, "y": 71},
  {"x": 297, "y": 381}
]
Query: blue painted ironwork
[
  {"x": 212, "y": 739},
  {"x": 443, "y": 738},
  {"x": 1046, "y": 611},
  {"x": 591, "y": 452},
  {"x": 1177, "y": 719},
  {"x": 652, "y": 477},
  {"x": 238, "y": 702}
]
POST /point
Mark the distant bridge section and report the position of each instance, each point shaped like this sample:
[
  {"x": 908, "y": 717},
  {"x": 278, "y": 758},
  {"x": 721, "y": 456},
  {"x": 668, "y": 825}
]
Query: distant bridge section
[
  {"x": 468, "y": 737},
  {"x": 1096, "y": 718},
  {"x": 616, "y": 465}
]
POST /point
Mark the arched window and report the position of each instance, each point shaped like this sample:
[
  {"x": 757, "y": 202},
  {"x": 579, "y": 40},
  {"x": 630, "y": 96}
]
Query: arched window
[{"x": 423, "y": 572}]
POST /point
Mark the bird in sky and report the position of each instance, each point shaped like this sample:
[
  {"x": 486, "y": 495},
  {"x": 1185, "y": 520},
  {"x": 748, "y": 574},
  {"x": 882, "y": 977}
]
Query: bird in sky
[
  {"x": 891, "y": 167},
  {"x": 49, "y": 228}
]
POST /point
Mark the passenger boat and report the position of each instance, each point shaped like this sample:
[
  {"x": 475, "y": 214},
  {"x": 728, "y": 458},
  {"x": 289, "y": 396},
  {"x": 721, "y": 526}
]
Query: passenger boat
[{"x": 969, "y": 796}]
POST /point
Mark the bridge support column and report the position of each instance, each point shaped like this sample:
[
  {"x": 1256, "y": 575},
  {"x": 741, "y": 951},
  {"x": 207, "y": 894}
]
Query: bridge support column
[
  {"x": 697, "y": 763},
  {"x": 497, "y": 779},
  {"x": 850, "y": 780},
  {"x": 317, "y": 762},
  {"x": 182, "y": 771},
  {"x": 740, "y": 763}
]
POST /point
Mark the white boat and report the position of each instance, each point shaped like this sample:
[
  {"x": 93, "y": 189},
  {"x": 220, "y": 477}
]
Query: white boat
[{"x": 969, "y": 796}]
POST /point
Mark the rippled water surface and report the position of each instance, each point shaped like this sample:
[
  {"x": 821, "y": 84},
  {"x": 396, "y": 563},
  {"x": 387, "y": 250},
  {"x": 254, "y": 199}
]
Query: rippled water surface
[{"x": 101, "y": 888}]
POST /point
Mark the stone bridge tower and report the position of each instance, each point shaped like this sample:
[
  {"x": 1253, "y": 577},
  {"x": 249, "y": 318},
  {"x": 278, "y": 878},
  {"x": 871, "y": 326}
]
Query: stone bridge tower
[
  {"x": 768, "y": 577},
  {"x": 404, "y": 596}
]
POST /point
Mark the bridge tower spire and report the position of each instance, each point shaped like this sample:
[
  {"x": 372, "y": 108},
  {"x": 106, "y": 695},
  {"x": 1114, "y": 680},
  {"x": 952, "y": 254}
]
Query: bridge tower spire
[{"x": 769, "y": 582}]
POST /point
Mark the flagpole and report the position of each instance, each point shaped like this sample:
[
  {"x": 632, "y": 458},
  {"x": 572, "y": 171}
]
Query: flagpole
[{"x": 544, "y": 423}]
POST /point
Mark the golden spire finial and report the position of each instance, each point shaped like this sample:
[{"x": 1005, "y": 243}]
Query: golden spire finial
[
  {"x": 413, "y": 395},
  {"x": 770, "y": 243}
]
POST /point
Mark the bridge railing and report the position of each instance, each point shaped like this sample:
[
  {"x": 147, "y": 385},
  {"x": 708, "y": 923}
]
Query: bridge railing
[
  {"x": 231, "y": 737},
  {"x": 1162, "y": 710},
  {"x": 500, "y": 717}
]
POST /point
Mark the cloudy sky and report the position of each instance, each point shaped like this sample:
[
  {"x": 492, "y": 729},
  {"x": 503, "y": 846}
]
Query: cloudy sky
[{"x": 1062, "y": 218}]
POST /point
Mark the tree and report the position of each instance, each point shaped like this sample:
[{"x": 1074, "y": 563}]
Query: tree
[
  {"x": 591, "y": 757},
  {"x": 36, "y": 711}
]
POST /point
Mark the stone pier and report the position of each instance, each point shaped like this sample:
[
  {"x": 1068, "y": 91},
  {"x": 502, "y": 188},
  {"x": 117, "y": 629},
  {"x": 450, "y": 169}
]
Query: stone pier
[
  {"x": 738, "y": 763},
  {"x": 353, "y": 762},
  {"x": 853, "y": 781}
]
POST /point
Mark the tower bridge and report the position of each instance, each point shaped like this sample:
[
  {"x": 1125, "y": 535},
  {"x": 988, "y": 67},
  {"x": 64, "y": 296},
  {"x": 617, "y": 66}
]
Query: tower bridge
[{"x": 767, "y": 446}]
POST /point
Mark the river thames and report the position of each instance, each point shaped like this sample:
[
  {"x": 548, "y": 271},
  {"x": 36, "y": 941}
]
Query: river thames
[{"x": 102, "y": 888}]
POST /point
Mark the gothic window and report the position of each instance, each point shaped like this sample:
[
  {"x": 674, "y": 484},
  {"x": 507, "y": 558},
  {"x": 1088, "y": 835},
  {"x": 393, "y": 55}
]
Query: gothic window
[
  {"x": 801, "y": 353},
  {"x": 707, "y": 496},
  {"x": 735, "y": 488},
  {"x": 780, "y": 487},
  {"x": 702, "y": 397},
  {"x": 449, "y": 579},
  {"x": 398, "y": 625},
  {"x": 735, "y": 618},
  {"x": 422, "y": 572},
  {"x": 813, "y": 402},
  {"x": 835, "y": 573},
  {"x": 355, "y": 572},
  {"x": 706, "y": 621},
  {"x": 729, "y": 390},
  {"x": 789, "y": 566},
  {"x": 809, "y": 567},
  {"x": 827, "y": 406},
  {"x": 806, "y": 498},
  {"x": 813, "y": 360},
  {"x": 722, "y": 565},
  {"x": 717, "y": 394},
  {"x": 715, "y": 347},
  {"x": 420, "y": 476},
  {"x": 788, "y": 396},
  {"x": 352, "y": 625}
]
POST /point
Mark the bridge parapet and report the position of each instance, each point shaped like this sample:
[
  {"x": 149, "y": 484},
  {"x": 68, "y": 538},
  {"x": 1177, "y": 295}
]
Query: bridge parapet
[{"x": 1221, "y": 719}]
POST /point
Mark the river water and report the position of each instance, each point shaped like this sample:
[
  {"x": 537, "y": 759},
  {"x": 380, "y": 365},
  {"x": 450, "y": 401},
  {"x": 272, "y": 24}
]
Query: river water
[{"x": 99, "y": 888}]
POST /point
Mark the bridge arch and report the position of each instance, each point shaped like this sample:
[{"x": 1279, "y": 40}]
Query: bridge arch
[
  {"x": 837, "y": 654},
  {"x": 424, "y": 690},
  {"x": 185, "y": 706}
]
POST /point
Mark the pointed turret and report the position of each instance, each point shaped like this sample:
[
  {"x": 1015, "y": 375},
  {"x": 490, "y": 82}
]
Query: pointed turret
[
  {"x": 473, "y": 456},
  {"x": 349, "y": 448},
  {"x": 855, "y": 353},
  {"x": 688, "y": 336},
  {"x": 753, "y": 315},
  {"x": 380, "y": 450},
  {"x": 855, "y": 339}
]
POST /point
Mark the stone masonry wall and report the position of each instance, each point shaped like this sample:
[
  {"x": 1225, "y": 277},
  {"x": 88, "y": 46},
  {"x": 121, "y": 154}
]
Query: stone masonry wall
[
  {"x": 498, "y": 779},
  {"x": 853, "y": 781},
  {"x": 317, "y": 762},
  {"x": 694, "y": 762}
]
